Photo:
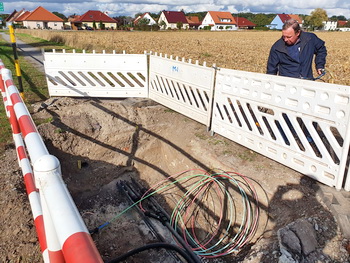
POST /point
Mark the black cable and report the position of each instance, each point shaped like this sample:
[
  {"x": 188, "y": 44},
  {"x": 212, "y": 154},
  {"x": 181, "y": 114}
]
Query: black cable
[{"x": 153, "y": 246}]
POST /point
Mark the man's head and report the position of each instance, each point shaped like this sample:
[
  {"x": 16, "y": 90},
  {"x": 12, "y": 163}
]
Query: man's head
[{"x": 291, "y": 32}]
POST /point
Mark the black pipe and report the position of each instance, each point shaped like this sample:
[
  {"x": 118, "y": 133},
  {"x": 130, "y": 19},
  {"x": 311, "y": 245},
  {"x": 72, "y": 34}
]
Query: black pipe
[{"x": 153, "y": 246}]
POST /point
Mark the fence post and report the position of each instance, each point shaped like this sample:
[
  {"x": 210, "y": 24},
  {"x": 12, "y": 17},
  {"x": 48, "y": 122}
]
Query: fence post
[
  {"x": 72, "y": 234},
  {"x": 18, "y": 68}
]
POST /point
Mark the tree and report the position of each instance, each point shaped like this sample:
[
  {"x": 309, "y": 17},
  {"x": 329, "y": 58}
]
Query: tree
[
  {"x": 138, "y": 14},
  {"x": 316, "y": 18},
  {"x": 262, "y": 19},
  {"x": 179, "y": 25},
  {"x": 62, "y": 16},
  {"x": 143, "y": 22},
  {"x": 162, "y": 24},
  {"x": 101, "y": 25},
  {"x": 342, "y": 18}
]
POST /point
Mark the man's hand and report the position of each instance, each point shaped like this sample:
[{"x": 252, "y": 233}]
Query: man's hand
[{"x": 320, "y": 71}]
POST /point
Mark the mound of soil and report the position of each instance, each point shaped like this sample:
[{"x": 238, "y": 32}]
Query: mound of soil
[{"x": 101, "y": 142}]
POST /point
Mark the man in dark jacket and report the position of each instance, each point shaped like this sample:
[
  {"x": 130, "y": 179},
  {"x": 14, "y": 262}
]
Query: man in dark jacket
[{"x": 292, "y": 55}]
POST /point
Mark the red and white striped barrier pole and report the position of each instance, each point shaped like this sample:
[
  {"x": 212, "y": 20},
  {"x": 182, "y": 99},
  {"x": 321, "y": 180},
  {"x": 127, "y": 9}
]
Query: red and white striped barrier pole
[
  {"x": 65, "y": 230},
  {"x": 33, "y": 141},
  {"x": 2, "y": 88},
  {"x": 33, "y": 195},
  {"x": 73, "y": 236},
  {"x": 52, "y": 251}
]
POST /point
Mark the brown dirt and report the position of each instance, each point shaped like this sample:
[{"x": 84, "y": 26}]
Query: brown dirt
[{"x": 100, "y": 142}]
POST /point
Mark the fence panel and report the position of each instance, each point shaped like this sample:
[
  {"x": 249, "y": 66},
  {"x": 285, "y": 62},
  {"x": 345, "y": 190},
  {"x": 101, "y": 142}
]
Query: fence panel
[
  {"x": 96, "y": 75},
  {"x": 182, "y": 86},
  {"x": 301, "y": 124}
]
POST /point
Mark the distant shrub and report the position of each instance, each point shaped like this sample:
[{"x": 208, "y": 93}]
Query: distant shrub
[{"x": 262, "y": 28}]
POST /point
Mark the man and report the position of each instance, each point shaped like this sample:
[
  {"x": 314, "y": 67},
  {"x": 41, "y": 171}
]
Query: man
[{"x": 292, "y": 55}]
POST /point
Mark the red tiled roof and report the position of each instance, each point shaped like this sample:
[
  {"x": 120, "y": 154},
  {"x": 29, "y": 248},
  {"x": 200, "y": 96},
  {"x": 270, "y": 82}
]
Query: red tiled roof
[
  {"x": 284, "y": 17},
  {"x": 342, "y": 22},
  {"x": 218, "y": 16},
  {"x": 175, "y": 16},
  {"x": 41, "y": 14},
  {"x": 97, "y": 16},
  {"x": 297, "y": 18},
  {"x": 73, "y": 18},
  {"x": 14, "y": 15},
  {"x": 193, "y": 19},
  {"x": 243, "y": 22},
  {"x": 23, "y": 16}
]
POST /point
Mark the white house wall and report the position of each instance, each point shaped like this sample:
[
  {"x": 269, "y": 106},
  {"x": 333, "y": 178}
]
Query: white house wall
[
  {"x": 41, "y": 25},
  {"x": 329, "y": 25},
  {"x": 55, "y": 25},
  {"x": 151, "y": 20},
  {"x": 208, "y": 21},
  {"x": 170, "y": 25}
]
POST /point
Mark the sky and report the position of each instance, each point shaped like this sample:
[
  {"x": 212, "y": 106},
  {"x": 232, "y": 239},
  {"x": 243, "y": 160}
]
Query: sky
[{"x": 131, "y": 7}]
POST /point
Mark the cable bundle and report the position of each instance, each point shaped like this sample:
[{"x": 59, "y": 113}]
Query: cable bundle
[{"x": 216, "y": 213}]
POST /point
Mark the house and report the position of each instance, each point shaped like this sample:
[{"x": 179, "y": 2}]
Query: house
[
  {"x": 93, "y": 20},
  {"x": 171, "y": 20},
  {"x": 147, "y": 16},
  {"x": 329, "y": 25},
  {"x": 341, "y": 23},
  {"x": 280, "y": 19},
  {"x": 297, "y": 18},
  {"x": 219, "y": 21},
  {"x": 20, "y": 19},
  {"x": 40, "y": 18},
  {"x": 193, "y": 22},
  {"x": 244, "y": 23},
  {"x": 11, "y": 19}
]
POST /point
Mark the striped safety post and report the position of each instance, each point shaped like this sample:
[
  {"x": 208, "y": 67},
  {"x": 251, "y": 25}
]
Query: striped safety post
[
  {"x": 64, "y": 228},
  {"x": 73, "y": 236},
  {"x": 2, "y": 88},
  {"x": 32, "y": 192},
  {"x": 18, "y": 68},
  {"x": 32, "y": 138},
  {"x": 52, "y": 251}
]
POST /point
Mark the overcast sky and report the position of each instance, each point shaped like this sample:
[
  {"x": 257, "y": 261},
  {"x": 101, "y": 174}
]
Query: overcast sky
[{"x": 131, "y": 7}]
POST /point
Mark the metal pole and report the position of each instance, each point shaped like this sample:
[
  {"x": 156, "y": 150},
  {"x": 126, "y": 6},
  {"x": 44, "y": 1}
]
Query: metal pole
[{"x": 18, "y": 69}]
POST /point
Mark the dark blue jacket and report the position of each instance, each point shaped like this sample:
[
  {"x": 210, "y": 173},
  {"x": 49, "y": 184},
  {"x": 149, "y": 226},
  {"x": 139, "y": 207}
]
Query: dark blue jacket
[{"x": 281, "y": 63}]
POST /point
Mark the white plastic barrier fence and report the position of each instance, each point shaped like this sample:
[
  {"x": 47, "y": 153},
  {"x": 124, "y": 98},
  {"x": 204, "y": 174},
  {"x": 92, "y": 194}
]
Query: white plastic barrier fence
[
  {"x": 61, "y": 221},
  {"x": 301, "y": 124},
  {"x": 182, "y": 86},
  {"x": 96, "y": 75}
]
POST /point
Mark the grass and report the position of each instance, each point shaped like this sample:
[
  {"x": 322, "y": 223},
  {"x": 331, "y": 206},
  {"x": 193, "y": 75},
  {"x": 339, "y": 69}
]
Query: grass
[
  {"x": 55, "y": 43},
  {"x": 33, "y": 82}
]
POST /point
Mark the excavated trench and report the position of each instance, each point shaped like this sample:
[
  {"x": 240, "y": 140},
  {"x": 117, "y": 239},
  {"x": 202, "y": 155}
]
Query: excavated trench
[{"x": 101, "y": 143}]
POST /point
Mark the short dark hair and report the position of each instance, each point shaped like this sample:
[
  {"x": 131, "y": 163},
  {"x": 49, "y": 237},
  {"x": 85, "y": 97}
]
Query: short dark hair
[{"x": 293, "y": 24}]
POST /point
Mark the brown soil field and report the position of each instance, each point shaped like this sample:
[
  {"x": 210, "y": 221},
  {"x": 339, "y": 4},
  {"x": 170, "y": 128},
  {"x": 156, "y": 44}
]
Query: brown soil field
[{"x": 241, "y": 50}]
